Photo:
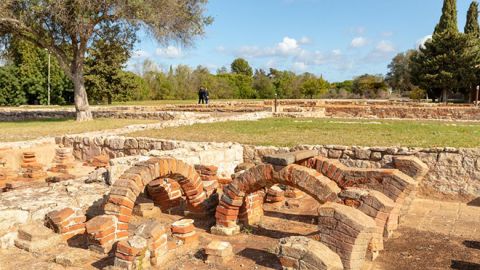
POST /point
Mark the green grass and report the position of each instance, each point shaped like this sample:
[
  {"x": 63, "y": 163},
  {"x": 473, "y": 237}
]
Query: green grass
[
  {"x": 291, "y": 132},
  {"x": 27, "y": 130}
]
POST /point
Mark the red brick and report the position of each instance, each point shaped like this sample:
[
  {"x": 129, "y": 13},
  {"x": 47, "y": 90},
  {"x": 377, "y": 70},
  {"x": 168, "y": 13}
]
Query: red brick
[
  {"x": 122, "y": 226},
  {"x": 122, "y": 234},
  {"x": 187, "y": 238},
  {"x": 222, "y": 217},
  {"x": 99, "y": 223},
  {"x": 121, "y": 200},
  {"x": 124, "y": 248},
  {"x": 124, "y": 257},
  {"x": 227, "y": 211}
]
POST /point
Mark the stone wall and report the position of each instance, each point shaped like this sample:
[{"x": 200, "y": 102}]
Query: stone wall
[
  {"x": 453, "y": 173},
  {"x": 226, "y": 156},
  {"x": 404, "y": 112},
  {"x": 19, "y": 114},
  {"x": 381, "y": 109}
]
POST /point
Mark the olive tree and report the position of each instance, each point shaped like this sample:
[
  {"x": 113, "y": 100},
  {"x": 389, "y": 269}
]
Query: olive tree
[{"x": 67, "y": 28}]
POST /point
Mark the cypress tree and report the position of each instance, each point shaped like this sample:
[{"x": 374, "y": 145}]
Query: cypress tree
[
  {"x": 448, "y": 21},
  {"x": 472, "y": 26},
  {"x": 447, "y": 63}
]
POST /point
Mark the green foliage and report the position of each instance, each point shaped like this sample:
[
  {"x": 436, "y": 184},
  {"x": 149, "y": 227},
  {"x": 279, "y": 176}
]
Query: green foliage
[
  {"x": 448, "y": 20},
  {"x": 417, "y": 93},
  {"x": 285, "y": 83},
  {"x": 241, "y": 66},
  {"x": 447, "y": 63},
  {"x": 471, "y": 26},
  {"x": 10, "y": 88},
  {"x": 104, "y": 78},
  {"x": 400, "y": 70},
  {"x": 345, "y": 85},
  {"x": 263, "y": 85},
  {"x": 31, "y": 70},
  {"x": 312, "y": 86},
  {"x": 369, "y": 86}
]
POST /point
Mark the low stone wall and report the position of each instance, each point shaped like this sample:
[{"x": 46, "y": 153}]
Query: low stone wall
[
  {"x": 226, "y": 156},
  {"x": 377, "y": 109},
  {"x": 453, "y": 173},
  {"x": 405, "y": 112},
  {"x": 19, "y": 115}
]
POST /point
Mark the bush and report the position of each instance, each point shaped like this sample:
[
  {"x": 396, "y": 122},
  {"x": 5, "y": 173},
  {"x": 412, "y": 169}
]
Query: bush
[{"x": 417, "y": 93}]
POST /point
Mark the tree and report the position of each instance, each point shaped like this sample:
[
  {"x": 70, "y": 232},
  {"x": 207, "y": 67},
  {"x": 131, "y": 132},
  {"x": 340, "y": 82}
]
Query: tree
[
  {"x": 67, "y": 28},
  {"x": 263, "y": 85},
  {"x": 472, "y": 27},
  {"x": 448, "y": 20},
  {"x": 448, "y": 61},
  {"x": 312, "y": 86},
  {"x": 241, "y": 66},
  {"x": 106, "y": 59},
  {"x": 399, "y": 75},
  {"x": 31, "y": 65},
  {"x": 10, "y": 87},
  {"x": 369, "y": 86}
]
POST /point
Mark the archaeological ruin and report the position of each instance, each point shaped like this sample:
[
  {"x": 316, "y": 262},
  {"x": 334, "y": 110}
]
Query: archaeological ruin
[{"x": 103, "y": 200}]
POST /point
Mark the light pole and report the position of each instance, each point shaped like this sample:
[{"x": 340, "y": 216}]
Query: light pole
[
  {"x": 48, "y": 89},
  {"x": 476, "y": 96}
]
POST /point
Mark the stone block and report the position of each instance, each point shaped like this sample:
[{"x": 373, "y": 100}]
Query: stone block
[
  {"x": 282, "y": 159},
  {"x": 297, "y": 250},
  {"x": 225, "y": 231}
]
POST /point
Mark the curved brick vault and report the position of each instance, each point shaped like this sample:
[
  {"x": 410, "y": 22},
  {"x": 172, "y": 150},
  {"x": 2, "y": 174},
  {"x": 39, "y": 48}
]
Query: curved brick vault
[
  {"x": 305, "y": 179},
  {"x": 124, "y": 192}
]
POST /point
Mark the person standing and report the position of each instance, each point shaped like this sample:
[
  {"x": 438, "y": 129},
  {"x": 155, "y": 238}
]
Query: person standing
[
  {"x": 201, "y": 95},
  {"x": 206, "y": 97}
]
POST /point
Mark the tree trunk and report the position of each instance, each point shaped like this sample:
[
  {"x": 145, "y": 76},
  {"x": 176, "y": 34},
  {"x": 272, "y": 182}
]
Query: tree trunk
[
  {"x": 444, "y": 96},
  {"x": 82, "y": 107}
]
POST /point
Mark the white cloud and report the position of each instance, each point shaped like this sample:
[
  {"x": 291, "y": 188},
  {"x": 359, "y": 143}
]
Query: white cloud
[
  {"x": 421, "y": 42},
  {"x": 385, "y": 47},
  {"x": 299, "y": 66},
  {"x": 140, "y": 54},
  {"x": 358, "y": 42},
  {"x": 170, "y": 52},
  {"x": 337, "y": 52},
  {"x": 384, "y": 50},
  {"x": 287, "y": 46},
  {"x": 305, "y": 40}
]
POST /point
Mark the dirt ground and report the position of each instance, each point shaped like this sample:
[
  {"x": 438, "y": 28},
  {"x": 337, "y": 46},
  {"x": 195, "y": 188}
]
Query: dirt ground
[{"x": 255, "y": 247}]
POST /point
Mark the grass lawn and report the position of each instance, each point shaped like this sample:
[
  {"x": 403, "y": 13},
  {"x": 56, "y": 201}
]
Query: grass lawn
[
  {"x": 27, "y": 130},
  {"x": 291, "y": 132}
]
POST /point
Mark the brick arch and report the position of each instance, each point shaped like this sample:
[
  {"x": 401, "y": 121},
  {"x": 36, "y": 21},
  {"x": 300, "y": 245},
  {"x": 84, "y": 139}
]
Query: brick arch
[
  {"x": 124, "y": 192},
  {"x": 305, "y": 179}
]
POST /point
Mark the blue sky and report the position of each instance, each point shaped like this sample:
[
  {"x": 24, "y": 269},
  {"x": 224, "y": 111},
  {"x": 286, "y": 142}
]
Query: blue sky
[{"x": 338, "y": 39}]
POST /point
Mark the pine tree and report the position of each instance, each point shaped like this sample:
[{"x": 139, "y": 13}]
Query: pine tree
[
  {"x": 448, "y": 21},
  {"x": 448, "y": 61},
  {"x": 472, "y": 27}
]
